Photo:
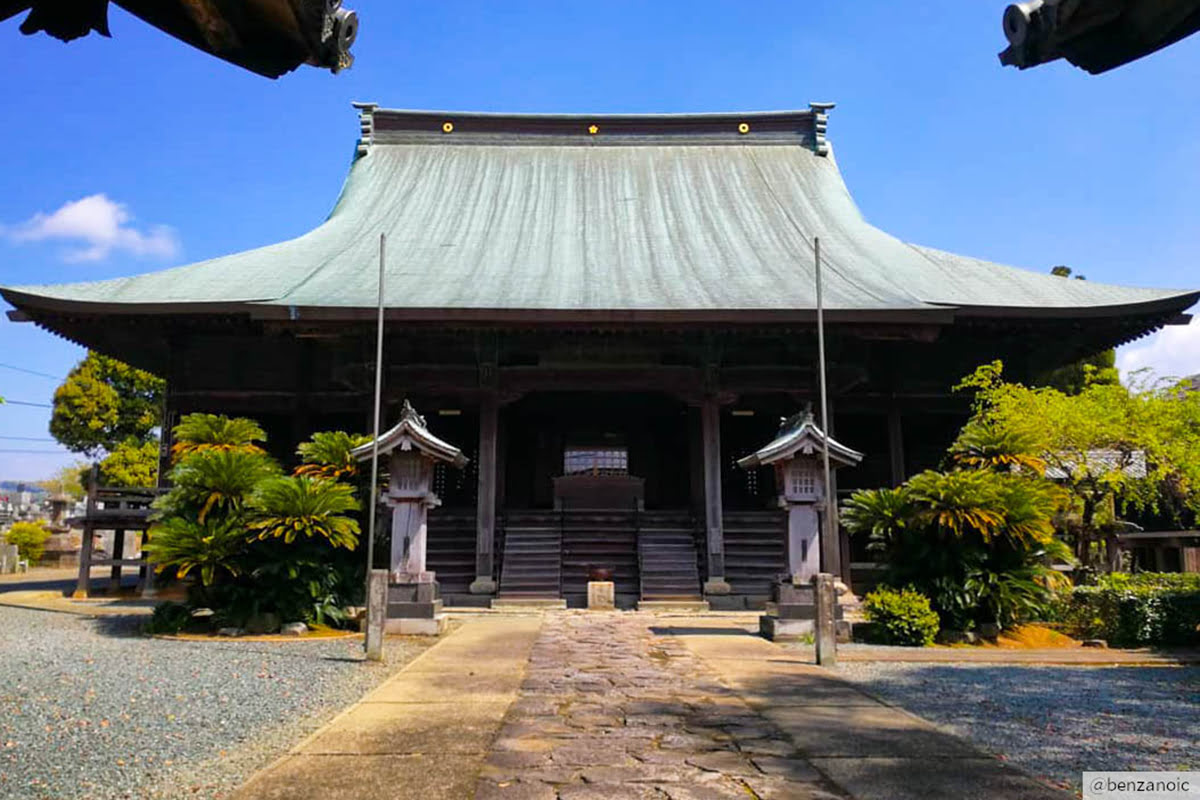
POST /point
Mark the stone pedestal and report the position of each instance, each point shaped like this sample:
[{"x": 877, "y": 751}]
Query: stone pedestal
[
  {"x": 793, "y": 613},
  {"x": 415, "y": 607},
  {"x": 784, "y": 630},
  {"x": 717, "y": 586},
  {"x": 601, "y": 595},
  {"x": 62, "y": 549}
]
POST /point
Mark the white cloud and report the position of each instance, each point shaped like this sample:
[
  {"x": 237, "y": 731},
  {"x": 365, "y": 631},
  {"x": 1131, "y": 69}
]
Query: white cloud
[
  {"x": 97, "y": 226},
  {"x": 1172, "y": 352}
]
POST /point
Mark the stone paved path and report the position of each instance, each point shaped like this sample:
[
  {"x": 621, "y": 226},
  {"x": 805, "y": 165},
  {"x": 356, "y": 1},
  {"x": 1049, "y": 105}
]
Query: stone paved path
[
  {"x": 575, "y": 705},
  {"x": 610, "y": 710}
]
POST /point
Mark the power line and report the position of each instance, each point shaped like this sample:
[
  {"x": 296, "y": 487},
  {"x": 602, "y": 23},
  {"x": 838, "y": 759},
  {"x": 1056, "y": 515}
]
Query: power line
[
  {"x": 31, "y": 372},
  {"x": 39, "y": 452},
  {"x": 8, "y": 402},
  {"x": 28, "y": 438}
]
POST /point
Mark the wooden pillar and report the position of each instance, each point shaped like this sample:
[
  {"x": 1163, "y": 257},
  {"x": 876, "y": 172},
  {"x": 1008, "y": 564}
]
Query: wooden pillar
[
  {"x": 695, "y": 462},
  {"x": 83, "y": 584},
  {"x": 485, "y": 514},
  {"x": 896, "y": 445},
  {"x": 118, "y": 555},
  {"x": 710, "y": 434}
]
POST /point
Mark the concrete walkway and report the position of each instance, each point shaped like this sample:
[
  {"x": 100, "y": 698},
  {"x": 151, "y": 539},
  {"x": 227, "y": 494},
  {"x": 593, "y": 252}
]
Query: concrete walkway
[
  {"x": 424, "y": 733},
  {"x": 577, "y": 705}
]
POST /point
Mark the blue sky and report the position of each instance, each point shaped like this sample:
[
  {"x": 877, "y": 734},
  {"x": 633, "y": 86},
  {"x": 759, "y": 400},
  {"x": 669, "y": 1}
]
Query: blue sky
[{"x": 940, "y": 145}]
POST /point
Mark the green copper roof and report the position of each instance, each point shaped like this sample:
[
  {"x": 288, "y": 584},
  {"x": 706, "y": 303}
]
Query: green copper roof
[{"x": 669, "y": 213}]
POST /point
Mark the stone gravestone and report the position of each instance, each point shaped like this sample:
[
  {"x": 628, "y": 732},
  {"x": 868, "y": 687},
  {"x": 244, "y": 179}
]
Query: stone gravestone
[
  {"x": 414, "y": 604},
  {"x": 796, "y": 455},
  {"x": 8, "y": 558}
]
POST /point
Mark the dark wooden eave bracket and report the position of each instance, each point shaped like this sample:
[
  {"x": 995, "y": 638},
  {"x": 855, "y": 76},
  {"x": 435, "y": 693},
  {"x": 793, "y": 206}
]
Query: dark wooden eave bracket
[{"x": 269, "y": 37}]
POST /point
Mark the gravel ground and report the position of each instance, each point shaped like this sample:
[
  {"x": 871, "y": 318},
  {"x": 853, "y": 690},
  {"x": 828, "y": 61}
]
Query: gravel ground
[
  {"x": 1054, "y": 722},
  {"x": 89, "y": 709}
]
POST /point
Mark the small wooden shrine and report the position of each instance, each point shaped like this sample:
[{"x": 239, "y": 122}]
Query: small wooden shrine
[{"x": 414, "y": 602}]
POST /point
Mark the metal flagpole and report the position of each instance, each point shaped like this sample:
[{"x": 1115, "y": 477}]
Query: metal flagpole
[
  {"x": 830, "y": 502},
  {"x": 373, "y": 511},
  {"x": 824, "y": 593}
]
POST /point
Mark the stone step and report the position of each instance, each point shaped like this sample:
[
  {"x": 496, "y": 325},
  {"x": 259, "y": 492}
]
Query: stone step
[
  {"x": 692, "y": 604},
  {"x": 518, "y": 601}
]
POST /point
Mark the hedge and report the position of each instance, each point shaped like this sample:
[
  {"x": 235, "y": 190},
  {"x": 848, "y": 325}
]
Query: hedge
[{"x": 1142, "y": 610}]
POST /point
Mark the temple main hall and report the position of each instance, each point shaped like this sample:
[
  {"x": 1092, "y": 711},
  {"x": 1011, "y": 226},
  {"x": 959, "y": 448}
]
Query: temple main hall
[{"x": 605, "y": 314}]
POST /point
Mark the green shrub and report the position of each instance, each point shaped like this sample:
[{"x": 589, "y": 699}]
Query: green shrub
[
  {"x": 1149, "y": 609},
  {"x": 169, "y": 618},
  {"x": 901, "y": 617},
  {"x": 30, "y": 539}
]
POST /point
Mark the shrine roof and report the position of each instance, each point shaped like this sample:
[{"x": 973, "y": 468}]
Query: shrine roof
[
  {"x": 800, "y": 434},
  {"x": 701, "y": 217},
  {"x": 411, "y": 433}
]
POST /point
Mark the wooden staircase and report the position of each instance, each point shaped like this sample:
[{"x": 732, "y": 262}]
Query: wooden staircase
[
  {"x": 755, "y": 552},
  {"x": 450, "y": 549},
  {"x": 604, "y": 539},
  {"x": 667, "y": 558},
  {"x": 532, "y": 565}
]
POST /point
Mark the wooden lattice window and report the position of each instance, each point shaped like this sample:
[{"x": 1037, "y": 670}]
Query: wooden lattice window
[
  {"x": 596, "y": 461},
  {"x": 802, "y": 481}
]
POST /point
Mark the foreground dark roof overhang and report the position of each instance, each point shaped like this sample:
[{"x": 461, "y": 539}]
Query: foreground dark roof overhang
[
  {"x": 270, "y": 37},
  {"x": 1095, "y": 35}
]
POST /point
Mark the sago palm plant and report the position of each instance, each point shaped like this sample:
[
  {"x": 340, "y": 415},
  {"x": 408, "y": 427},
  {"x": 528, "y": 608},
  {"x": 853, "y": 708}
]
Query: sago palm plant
[
  {"x": 1030, "y": 506},
  {"x": 958, "y": 502},
  {"x": 211, "y": 547},
  {"x": 203, "y": 432},
  {"x": 315, "y": 508},
  {"x": 327, "y": 455},
  {"x": 880, "y": 514},
  {"x": 215, "y": 480},
  {"x": 982, "y": 445}
]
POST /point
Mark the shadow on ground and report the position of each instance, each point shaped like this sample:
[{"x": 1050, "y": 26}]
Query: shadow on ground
[
  {"x": 677, "y": 630},
  {"x": 1054, "y": 721}
]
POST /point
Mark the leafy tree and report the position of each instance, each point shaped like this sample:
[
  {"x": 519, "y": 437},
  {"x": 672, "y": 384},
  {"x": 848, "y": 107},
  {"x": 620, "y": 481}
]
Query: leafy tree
[
  {"x": 131, "y": 463},
  {"x": 286, "y": 508},
  {"x": 68, "y": 480},
  {"x": 30, "y": 539},
  {"x": 215, "y": 432},
  {"x": 104, "y": 402},
  {"x": 1134, "y": 448}
]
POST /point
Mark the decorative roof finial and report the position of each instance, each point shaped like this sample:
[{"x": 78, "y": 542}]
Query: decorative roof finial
[
  {"x": 366, "y": 122},
  {"x": 407, "y": 412},
  {"x": 820, "y": 123}
]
